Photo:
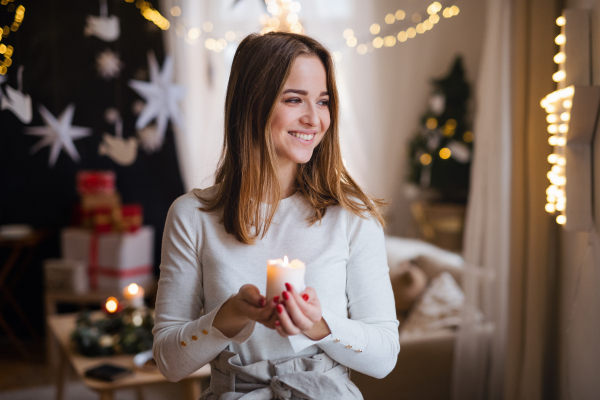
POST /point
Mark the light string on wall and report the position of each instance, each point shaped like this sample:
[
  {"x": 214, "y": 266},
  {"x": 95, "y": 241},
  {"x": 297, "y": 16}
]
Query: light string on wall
[
  {"x": 151, "y": 13},
  {"x": 390, "y": 40},
  {"x": 6, "y": 50},
  {"x": 558, "y": 106}
]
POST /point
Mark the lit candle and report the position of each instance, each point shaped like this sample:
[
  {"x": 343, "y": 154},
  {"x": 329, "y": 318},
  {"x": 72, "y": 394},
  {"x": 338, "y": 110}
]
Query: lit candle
[
  {"x": 280, "y": 272},
  {"x": 135, "y": 295},
  {"x": 111, "y": 305}
]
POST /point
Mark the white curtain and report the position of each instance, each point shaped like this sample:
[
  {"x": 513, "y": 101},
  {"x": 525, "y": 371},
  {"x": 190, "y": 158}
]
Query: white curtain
[{"x": 480, "y": 346}]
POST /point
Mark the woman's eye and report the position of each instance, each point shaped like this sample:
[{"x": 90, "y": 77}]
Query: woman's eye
[
  {"x": 324, "y": 102},
  {"x": 293, "y": 101}
]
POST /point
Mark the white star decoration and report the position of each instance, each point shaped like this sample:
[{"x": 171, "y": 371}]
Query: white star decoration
[
  {"x": 58, "y": 133},
  {"x": 161, "y": 97},
  {"x": 108, "y": 64}
]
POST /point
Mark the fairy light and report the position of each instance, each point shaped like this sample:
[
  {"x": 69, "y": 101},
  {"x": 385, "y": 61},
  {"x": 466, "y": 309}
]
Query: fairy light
[
  {"x": 151, "y": 14},
  {"x": 283, "y": 17},
  {"x": 385, "y": 39},
  {"x": 6, "y": 50}
]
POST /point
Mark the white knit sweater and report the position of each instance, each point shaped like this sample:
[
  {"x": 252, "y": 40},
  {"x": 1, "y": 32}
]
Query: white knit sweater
[{"x": 202, "y": 266}]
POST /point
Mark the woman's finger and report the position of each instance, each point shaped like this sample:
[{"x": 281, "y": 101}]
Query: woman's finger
[
  {"x": 279, "y": 329},
  {"x": 298, "y": 318},
  {"x": 286, "y": 322},
  {"x": 251, "y": 294},
  {"x": 307, "y": 301}
]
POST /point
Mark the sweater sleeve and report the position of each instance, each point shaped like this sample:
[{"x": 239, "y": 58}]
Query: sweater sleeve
[
  {"x": 366, "y": 339},
  {"x": 184, "y": 339}
]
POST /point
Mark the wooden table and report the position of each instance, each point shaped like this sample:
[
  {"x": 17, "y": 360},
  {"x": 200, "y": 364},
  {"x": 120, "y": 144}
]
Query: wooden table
[
  {"x": 61, "y": 327},
  {"x": 97, "y": 297}
]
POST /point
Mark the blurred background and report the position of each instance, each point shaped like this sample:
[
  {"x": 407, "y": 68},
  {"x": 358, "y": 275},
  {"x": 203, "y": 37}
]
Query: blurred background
[{"x": 468, "y": 116}]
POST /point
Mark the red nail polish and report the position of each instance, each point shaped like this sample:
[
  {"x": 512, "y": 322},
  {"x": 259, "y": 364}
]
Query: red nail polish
[
  {"x": 305, "y": 297},
  {"x": 288, "y": 287},
  {"x": 277, "y": 323},
  {"x": 286, "y": 295},
  {"x": 261, "y": 302},
  {"x": 276, "y": 299},
  {"x": 279, "y": 308}
]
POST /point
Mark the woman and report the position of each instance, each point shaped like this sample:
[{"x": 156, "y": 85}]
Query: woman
[{"x": 281, "y": 188}]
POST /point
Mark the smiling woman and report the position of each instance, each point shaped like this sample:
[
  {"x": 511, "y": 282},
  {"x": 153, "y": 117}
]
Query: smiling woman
[{"x": 280, "y": 172}]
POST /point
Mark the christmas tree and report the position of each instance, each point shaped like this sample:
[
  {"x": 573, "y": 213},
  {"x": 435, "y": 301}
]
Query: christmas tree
[{"x": 440, "y": 152}]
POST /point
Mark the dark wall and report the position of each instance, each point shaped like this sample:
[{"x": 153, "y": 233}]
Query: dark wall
[{"x": 59, "y": 69}]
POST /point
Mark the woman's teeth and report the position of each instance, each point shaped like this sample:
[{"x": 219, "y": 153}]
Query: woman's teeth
[{"x": 302, "y": 136}]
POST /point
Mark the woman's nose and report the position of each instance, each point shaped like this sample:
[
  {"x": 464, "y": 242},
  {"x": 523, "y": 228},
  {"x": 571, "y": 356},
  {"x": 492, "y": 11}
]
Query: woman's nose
[{"x": 310, "y": 117}]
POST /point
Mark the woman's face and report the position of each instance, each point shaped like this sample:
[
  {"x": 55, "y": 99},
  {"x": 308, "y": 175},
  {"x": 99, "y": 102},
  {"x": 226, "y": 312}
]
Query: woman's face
[{"x": 301, "y": 114}]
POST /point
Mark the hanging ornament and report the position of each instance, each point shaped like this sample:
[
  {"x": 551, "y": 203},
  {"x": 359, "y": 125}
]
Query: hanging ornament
[
  {"x": 437, "y": 103},
  {"x": 460, "y": 152},
  {"x": 161, "y": 97},
  {"x": 149, "y": 139},
  {"x": 108, "y": 64},
  {"x": 16, "y": 101},
  {"x": 58, "y": 133},
  {"x": 122, "y": 151},
  {"x": 103, "y": 27}
]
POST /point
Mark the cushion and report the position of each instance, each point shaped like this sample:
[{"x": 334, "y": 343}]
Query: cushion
[{"x": 408, "y": 283}]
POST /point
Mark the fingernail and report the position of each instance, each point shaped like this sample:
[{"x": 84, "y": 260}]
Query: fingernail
[
  {"x": 279, "y": 308},
  {"x": 275, "y": 299},
  {"x": 286, "y": 295},
  {"x": 305, "y": 297},
  {"x": 261, "y": 302},
  {"x": 277, "y": 323},
  {"x": 288, "y": 286}
]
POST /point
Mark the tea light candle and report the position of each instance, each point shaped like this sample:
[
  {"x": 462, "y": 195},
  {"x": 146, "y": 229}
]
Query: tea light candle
[
  {"x": 112, "y": 305},
  {"x": 135, "y": 295},
  {"x": 280, "y": 272}
]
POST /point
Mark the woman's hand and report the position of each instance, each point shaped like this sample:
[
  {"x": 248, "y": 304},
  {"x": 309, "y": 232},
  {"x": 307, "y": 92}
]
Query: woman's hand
[
  {"x": 300, "y": 313},
  {"x": 247, "y": 305}
]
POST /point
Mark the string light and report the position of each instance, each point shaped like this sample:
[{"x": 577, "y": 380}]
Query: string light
[
  {"x": 559, "y": 58},
  {"x": 389, "y": 40},
  {"x": 560, "y": 21},
  {"x": 425, "y": 159},
  {"x": 5, "y": 50},
  {"x": 560, "y": 39},
  {"x": 284, "y": 18},
  {"x": 152, "y": 14}
]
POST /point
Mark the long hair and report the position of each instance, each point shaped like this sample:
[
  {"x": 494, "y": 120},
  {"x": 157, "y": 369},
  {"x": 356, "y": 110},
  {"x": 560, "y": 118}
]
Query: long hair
[{"x": 247, "y": 171}]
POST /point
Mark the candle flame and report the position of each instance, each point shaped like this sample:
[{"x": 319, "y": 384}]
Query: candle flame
[
  {"x": 111, "y": 304},
  {"x": 133, "y": 288},
  {"x": 285, "y": 261}
]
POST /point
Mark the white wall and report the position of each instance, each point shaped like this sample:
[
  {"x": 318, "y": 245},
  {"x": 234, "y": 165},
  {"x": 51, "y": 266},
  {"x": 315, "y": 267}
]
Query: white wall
[{"x": 580, "y": 275}]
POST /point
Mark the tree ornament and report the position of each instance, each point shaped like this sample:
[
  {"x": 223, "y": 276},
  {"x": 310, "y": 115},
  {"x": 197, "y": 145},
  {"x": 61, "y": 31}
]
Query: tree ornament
[
  {"x": 122, "y": 151},
  {"x": 103, "y": 27},
  {"x": 108, "y": 64},
  {"x": 161, "y": 97},
  {"x": 58, "y": 134},
  {"x": 16, "y": 101}
]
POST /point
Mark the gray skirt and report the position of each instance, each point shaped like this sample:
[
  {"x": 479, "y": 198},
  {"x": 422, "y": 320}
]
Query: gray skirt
[{"x": 305, "y": 377}]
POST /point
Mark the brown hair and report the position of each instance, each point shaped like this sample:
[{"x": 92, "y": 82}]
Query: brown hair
[{"x": 247, "y": 171}]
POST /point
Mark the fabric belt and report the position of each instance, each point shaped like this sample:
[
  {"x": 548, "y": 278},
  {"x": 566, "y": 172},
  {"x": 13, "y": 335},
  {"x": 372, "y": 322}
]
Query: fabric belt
[{"x": 304, "y": 377}]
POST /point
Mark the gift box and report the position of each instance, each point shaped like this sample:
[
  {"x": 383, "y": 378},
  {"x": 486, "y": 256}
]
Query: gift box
[
  {"x": 114, "y": 259},
  {"x": 66, "y": 275},
  {"x": 95, "y": 182},
  {"x": 131, "y": 217}
]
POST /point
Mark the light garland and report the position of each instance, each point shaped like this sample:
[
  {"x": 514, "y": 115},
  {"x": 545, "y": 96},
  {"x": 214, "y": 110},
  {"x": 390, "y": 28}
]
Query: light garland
[
  {"x": 402, "y": 36},
  {"x": 151, "y": 14},
  {"x": 282, "y": 17},
  {"x": 7, "y": 51},
  {"x": 558, "y": 106}
]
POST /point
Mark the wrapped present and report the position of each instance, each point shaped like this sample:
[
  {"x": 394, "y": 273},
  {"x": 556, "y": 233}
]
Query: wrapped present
[
  {"x": 95, "y": 182},
  {"x": 114, "y": 260},
  {"x": 131, "y": 217},
  {"x": 66, "y": 275}
]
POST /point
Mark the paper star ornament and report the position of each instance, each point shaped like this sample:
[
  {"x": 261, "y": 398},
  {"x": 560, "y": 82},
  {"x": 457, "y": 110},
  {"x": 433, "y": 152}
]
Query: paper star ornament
[
  {"x": 161, "y": 97},
  {"x": 108, "y": 64},
  {"x": 18, "y": 103},
  {"x": 58, "y": 134}
]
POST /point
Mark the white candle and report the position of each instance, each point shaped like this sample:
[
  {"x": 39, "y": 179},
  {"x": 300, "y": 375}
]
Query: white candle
[
  {"x": 135, "y": 295},
  {"x": 280, "y": 272}
]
